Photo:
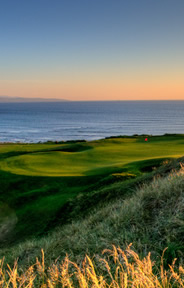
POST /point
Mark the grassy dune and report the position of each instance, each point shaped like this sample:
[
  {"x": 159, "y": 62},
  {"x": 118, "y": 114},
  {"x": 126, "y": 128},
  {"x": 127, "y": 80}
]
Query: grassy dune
[
  {"x": 152, "y": 219},
  {"x": 46, "y": 185},
  {"x": 83, "y": 197}
]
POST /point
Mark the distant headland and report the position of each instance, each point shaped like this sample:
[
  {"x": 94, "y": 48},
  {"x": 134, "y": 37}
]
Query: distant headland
[{"x": 9, "y": 99}]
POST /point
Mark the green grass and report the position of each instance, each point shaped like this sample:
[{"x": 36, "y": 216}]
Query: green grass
[
  {"x": 44, "y": 185},
  {"x": 151, "y": 218},
  {"x": 90, "y": 158}
]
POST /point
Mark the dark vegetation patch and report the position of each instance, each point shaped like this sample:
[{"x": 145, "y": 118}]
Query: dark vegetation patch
[
  {"x": 64, "y": 142},
  {"x": 152, "y": 164},
  {"x": 74, "y": 148}
]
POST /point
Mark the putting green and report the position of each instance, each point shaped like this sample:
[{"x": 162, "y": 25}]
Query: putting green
[{"x": 91, "y": 158}]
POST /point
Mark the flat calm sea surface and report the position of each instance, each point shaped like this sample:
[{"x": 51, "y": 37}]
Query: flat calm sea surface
[{"x": 56, "y": 121}]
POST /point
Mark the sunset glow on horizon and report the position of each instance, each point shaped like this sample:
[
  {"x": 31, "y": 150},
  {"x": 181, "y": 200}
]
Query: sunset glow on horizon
[{"x": 92, "y": 50}]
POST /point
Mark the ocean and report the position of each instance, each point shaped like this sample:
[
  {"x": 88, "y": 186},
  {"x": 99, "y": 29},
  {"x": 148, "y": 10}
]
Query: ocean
[{"x": 61, "y": 121}]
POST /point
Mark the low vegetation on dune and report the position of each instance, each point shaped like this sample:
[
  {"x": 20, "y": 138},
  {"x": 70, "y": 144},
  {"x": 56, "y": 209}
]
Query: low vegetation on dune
[
  {"x": 152, "y": 219},
  {"x": 48, "y": 184},
  {"x": 139, "y": 202}
]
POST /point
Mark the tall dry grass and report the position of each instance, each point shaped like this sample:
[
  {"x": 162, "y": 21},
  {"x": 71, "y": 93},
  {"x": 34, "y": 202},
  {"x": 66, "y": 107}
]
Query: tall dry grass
[{"x": 116, "y": 269}]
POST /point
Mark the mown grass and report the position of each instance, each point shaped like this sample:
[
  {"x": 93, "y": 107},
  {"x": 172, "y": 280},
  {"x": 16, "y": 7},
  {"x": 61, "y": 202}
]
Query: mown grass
[
  {"x": 86, "y": 159},
  {"x": 91, "y": 158}
]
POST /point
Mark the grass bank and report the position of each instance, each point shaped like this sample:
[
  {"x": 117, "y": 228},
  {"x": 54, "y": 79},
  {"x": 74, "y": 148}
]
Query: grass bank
[
  {"x": 151, "y": 219},
  {"x": 50, "y": 184}
]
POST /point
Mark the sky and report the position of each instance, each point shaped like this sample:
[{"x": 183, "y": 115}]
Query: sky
[{"x": 83, "y": 50}]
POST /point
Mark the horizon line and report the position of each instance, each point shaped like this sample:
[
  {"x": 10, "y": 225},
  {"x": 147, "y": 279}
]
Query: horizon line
[{"x": 66, "y": 100}]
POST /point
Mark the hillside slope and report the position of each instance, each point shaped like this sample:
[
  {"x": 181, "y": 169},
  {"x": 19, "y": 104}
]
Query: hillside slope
[
  {"x": 152, "y": 219},
  {"x": 45, "y": 185}
]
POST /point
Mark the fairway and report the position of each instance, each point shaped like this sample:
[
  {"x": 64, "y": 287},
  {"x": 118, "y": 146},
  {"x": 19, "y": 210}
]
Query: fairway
[{"x": 93, "y": 157}]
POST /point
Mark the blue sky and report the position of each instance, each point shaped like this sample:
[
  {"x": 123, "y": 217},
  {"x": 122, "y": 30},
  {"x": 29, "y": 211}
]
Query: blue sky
[{"x": 85, "y": 50}]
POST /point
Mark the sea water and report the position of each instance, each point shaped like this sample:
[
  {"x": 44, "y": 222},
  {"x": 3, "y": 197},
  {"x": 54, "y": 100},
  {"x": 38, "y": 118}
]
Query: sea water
[{"x": 57, "y": 121}]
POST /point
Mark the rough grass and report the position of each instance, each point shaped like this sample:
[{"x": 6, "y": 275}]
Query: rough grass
[{"x": 152, "y": 219}]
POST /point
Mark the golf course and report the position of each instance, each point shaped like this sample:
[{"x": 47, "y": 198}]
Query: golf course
[
  {"x": 88, "y": 158},
  {"x": 40, "y": 181}
]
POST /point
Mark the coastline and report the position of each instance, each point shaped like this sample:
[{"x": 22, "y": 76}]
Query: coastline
[{"x": 72, "y": 141}]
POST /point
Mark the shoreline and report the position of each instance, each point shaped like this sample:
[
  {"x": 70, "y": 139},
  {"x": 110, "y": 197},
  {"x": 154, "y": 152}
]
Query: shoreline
[{"x": 97, "y": 139}]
